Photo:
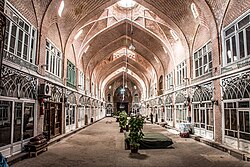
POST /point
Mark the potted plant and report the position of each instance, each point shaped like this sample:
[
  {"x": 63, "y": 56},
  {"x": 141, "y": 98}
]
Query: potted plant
[
  {"x": 135, "y": 134},
  {"x": 116, "y": 114},
  {"x": 123, "y": 119}
]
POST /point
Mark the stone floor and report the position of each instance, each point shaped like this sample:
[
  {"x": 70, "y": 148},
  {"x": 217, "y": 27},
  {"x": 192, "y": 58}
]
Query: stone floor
[{"x": 102, "y": 145}]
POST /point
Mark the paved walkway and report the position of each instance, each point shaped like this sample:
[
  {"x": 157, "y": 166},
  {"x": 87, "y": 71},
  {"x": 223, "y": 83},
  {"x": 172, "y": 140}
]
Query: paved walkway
[{"x": 101, "y": 144}]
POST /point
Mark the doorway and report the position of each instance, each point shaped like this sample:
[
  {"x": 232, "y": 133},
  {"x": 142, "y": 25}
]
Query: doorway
[
  {"x": 122, "y": 106},
  {"x": 53, "y": 119}
]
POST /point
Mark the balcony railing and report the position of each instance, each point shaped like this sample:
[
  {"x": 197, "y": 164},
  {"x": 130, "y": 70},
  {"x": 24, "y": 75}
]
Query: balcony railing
[{"x": 17, "y": 60}]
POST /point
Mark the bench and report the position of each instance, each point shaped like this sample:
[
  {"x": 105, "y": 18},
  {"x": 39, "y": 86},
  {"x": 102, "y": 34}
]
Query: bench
[{"x": 36, "y": 149}]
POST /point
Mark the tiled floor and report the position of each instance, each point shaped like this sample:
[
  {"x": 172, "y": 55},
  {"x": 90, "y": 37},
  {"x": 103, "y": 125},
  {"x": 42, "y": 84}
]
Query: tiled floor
[{"x": 102, "y": 145}]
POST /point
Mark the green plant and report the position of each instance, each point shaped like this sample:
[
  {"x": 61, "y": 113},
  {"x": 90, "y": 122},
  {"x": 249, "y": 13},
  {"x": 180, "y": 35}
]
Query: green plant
[
  {"x": 123, "y": 119},
  {"x": 135, "y": 128}
]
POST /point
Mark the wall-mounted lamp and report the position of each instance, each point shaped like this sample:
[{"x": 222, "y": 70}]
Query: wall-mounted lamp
[
  {"x": 214, "y": 102},
  {"x": 44, "y": 65}
]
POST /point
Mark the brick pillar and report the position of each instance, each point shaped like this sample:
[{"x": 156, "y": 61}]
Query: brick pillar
[
  {"x": 2, "y": 30},
  {"x": 217, "y": 112}
]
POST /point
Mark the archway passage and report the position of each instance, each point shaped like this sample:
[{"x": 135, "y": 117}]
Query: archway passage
[{"x": 122, "y": 100}]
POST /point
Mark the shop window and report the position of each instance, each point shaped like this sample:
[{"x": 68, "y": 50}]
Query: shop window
[
  {"x": 5, "y": 122},
  {"x": 28, "y": 122},
  {"x": 17, "y": 122},
  {"x": 169, "y": 109},
  {"x": 181, "y": 113}
]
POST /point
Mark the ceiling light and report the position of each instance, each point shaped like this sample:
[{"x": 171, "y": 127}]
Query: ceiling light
[
  {"x": 126, "y": 3},
  {"x": 131, "y": 47},
  {"x": 78, "y": 34},
  {"x": 60, "y": 10},
  {"x": 174, "y": 35}
]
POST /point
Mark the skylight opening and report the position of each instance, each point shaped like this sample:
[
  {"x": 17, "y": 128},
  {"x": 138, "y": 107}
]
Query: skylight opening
[
  {"x": 165, "y": 50},
  {"x": 87, "y": 48},
  {"x": 60, "y": 10},
  {"x": 78, "y": 34},
  {"x": 126, "y": 3},
  {"x": 174, "y": 35},
  {"x": 156, "y": 60},
  {"x": 194, "y": 11}
]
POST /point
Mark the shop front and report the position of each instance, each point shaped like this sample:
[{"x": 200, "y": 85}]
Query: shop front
[
  {"x": 81, "y": 112},
  {"x": 203, "y": 115},
  {"x": 169, "y": 110},
  {"x": 70, "y": 111},
  {"x": 109, "y": 110},
  {"x": 161, "y": 110},
  {"x": 236, "y": 111},
  {"x": 181, "y": 109},
  {"x": 53, "y": 113},
  {"x": 18, "y": 114}
]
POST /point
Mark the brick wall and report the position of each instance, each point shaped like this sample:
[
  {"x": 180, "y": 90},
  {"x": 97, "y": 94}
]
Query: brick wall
[{"x": 235, "y": 9}]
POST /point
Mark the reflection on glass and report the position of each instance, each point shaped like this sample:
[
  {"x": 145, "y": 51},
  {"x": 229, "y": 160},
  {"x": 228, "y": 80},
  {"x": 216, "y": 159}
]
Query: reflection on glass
[
  {"x": 67, "y": 116},
  {"x": 17, "y": 121},
  {"x": 28, "y": 121},
  {"x": 5, "y": 122}
]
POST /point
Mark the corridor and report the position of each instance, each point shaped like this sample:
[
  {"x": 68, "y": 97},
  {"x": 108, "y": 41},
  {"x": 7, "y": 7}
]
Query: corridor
[{"x": 101, "y": 144}]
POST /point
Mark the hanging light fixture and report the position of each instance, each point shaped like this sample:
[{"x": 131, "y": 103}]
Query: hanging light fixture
[{"x": 131, "y": 46}]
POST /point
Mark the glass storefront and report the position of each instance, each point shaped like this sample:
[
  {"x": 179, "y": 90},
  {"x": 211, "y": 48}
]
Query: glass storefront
[{"x": 16, "y": 124}]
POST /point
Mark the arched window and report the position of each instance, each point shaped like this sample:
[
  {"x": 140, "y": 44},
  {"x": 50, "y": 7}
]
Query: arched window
[
  {"x": 136, "y": 98},
  {"x": 161, "y": 83},
  {"x": 109, "y": 98}
]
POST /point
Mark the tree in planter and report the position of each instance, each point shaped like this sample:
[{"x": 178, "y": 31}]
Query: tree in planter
[
  {"x": 123, "y": 119},
  {"x": 135, "y": 134}
]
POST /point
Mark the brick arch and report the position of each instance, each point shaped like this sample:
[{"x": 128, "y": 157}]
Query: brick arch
[
  {"x": 27, "y": 9},
  {"x": 103, "y": 37},
  {"x": 148, "y": 57},
  {"x": 130, "y": 67},
  {"x": 234, "y": 10},
  {"x": 116, "y": 80},
  {"x": 202, "y": 36}
]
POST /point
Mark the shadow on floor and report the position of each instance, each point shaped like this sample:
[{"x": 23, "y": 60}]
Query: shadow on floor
[{"x": 138, "y": 156}]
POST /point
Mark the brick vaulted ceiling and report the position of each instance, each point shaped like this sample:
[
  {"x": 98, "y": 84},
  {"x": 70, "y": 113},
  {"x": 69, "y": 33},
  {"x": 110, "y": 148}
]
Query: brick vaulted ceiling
[{"x": 105, "y": 36}]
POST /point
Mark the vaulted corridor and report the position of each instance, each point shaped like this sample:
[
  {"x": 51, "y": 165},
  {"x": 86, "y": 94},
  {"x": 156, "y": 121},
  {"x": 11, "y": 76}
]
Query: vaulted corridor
[
  {"x": 66, "y": 64},
  {"x": 101, "y": 145}
]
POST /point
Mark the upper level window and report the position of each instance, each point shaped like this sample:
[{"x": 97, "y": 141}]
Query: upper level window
[
  {"x": 236, "y": 40},
  {"x": 169, "y": 81},
  {"x": 181, "y": 73},
  {"x": 71, "y": 74},
  {"x": 81, "y": 80},
  {"x": 203, "y": 60},
  {"x": 87, "y": 86},
  {"x": 20, "y": 36},
  {"x": 53, "y": 59}
]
